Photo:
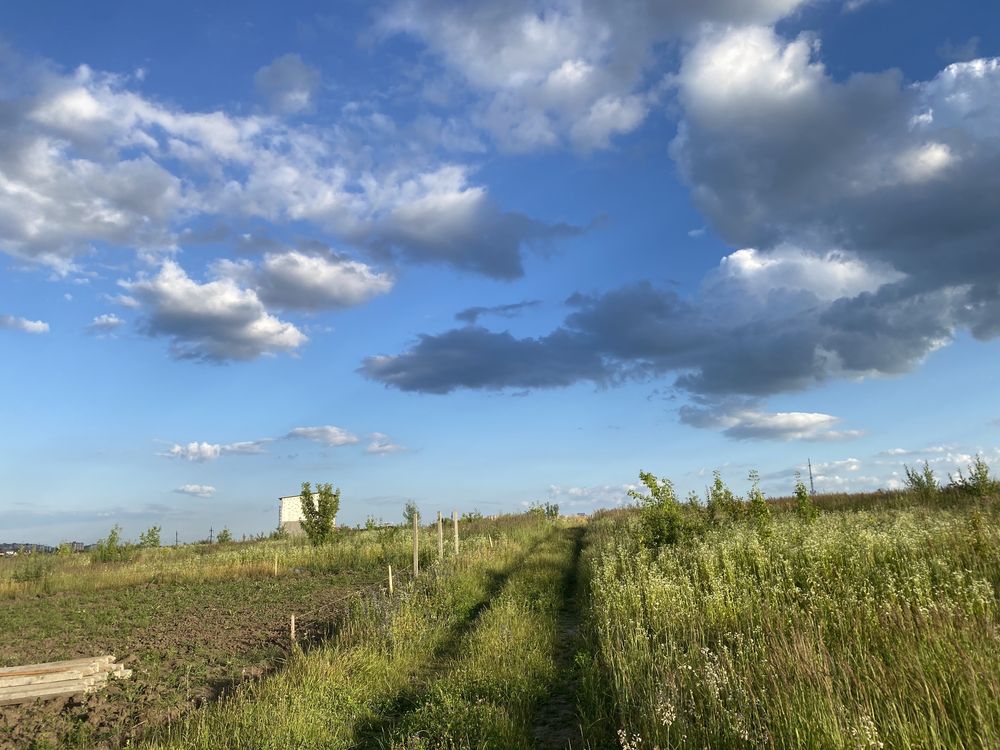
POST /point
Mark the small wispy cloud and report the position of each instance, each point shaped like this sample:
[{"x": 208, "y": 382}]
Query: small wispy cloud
[
  {"x": 381, "y": 445},
  {"x": 325, "y": 434},
  {"x": 11, "y": 323},
  {"x": 202, "y": 452},
  {"x": 104, "y": 325},
  {"x": 196, "y": 490}
]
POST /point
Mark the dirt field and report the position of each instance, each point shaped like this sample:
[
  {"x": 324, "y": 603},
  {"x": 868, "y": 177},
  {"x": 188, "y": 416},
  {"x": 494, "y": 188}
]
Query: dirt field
[{"x": 186, "y": 644}]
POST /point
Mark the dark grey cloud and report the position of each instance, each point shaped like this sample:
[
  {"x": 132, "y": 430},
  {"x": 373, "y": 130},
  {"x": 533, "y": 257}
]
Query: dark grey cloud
[
  {"x": 473, "y": 357},
  {"x": 472, "y": 234},
  {"x": 472, "y": 314}
]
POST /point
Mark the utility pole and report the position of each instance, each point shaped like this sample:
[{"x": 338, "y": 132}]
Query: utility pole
[
  {"x": 812, "y": 487},
  {"x": 211, "y": 535},
  {"x": 175, "y": 539}
]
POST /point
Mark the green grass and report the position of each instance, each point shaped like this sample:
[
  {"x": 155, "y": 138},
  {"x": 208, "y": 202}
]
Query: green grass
[
  {"x": 874, "y": 625},
  {"x": 340, "y": 693},
  {"x": 862, "y": 629}
]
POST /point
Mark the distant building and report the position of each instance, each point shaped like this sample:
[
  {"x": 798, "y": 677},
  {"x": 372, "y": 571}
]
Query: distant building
[{"x": 290, "y": 515}]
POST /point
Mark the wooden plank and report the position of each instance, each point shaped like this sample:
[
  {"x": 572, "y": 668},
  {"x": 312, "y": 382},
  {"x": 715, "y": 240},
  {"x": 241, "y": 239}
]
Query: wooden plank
[
  {"x": 51, "y": 690},
  {"x": 54, "y": 665},
  {"x": 46, "y": 677}
]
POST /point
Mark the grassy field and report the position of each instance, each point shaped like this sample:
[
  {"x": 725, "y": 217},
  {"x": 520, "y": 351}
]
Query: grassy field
[{"x": 865, "y": 621}]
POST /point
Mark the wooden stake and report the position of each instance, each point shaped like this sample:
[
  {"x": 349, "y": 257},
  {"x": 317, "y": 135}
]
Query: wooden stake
[
  {"x": 454, "y": 523},
  {"x": 416, "y": 546},
  {"x": 440, "y": 537},
  {"x": 390, "y": 580},
  {"x": 292, "y": 629},
  {"x": 275, "y": 564}
]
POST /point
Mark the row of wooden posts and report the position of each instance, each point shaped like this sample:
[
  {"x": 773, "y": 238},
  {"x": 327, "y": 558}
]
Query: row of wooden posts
[
  {"x": 416, "y": 542},
  {"x": 416, "y": 553}
]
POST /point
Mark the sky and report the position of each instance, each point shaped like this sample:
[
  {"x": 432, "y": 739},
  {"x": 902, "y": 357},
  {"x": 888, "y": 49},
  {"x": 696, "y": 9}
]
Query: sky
[{"x": 483, "y": 254}]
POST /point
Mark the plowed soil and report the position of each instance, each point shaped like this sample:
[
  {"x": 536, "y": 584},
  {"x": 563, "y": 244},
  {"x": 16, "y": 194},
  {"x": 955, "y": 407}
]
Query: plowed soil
[{"x": 185, "y": 643}]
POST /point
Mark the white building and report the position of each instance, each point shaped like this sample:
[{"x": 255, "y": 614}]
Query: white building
[{"x": 290, "y": 515}]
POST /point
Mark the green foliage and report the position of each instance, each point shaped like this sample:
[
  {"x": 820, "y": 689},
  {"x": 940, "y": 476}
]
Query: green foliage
[
  {"x": 757, "y": 506},
  {"x": 804, "y": 505},
  {"x": 721, "y": 501},
  {"x": 111, "y": 548},
  {"x": 65, "y": 549},
  {"x": 372, "y": 523},
  {"x": 279, "y": 534},
  {"x": 320, "y": 510},
  {"x": 862, "y": 629},
  {"x": 544, "y": 510},
  {"x": 472, "y": 515},
  {"x": 922, "y": 483},
  {"x": 225, "y": 536},
  {"x": 410, "y": 511},
  {"x": 662, "y": 519},
  {"x": 150, "y": 537},
  {"x": 979, "y": 483}
]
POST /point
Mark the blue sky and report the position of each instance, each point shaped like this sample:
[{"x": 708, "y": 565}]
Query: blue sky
[{"x": 480, "y": 254}]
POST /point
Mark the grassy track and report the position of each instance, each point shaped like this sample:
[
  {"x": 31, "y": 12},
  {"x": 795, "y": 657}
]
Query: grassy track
[{"x": 334, "y": 695}]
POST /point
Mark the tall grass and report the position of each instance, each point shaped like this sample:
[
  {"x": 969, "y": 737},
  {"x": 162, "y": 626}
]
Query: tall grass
[
  {"x": 860, "y": 630},
  {"x": 351, "y": 550}
]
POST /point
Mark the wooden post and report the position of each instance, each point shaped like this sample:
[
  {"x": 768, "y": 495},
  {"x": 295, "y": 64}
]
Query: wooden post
[
  {"x": 275, "y": 564},
  {"x": 440, "y": 537},
  {"x": 416, "y": 545},
  {"x": 390, "y": 580},
  {"x": 291, "y": 630},
  {"x": 454, "y": 523}
]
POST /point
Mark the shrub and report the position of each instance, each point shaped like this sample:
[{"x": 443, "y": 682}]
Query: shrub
[
  {"x": 225, "y": 536},
  {"x": 721, "y": 500},
  {"x": 978, "y": 483},
  {"x": 111, "y": 548},
  {"x": 804, "y": 505},
  {"x": 662, "y": 519},
  {"x": 757, "y": 505},
  {"x": 545, "y": 510},
  {"x": 922, "y": 483},
  {"x": 319, "y": 510},
  {"x": 150, "y": 537},
  {"x": 410, "y": 511}
]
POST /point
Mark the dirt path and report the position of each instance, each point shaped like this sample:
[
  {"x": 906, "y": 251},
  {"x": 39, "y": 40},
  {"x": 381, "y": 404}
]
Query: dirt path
[{"x": 557, "y": 726}]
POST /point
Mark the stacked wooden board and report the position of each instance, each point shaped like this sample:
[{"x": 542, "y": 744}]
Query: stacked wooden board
[{"x": 57, "y": 679}]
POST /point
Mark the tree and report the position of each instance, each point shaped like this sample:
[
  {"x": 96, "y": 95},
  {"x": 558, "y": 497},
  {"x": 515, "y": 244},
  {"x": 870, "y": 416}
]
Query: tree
[
  {"x": 150, "y": 537},
  {"x": 225, "y": 536},
  {"x": 922, "y": 483},
  {"x": 411, "y": 511},
  {"x": 804, "y": 505},
  {"x": 757, "y": 505},
  {"x": 320, "y": 512}
]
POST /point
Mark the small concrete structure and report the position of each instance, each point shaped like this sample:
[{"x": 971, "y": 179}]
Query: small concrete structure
[{"x": 290, "y": 515}]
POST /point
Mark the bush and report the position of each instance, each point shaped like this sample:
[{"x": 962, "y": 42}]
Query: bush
[
  {"x": 662, "y": 519},
  {"x": 544, "y": 510},
  {"x": 804, "y": 505},
  {"x": 978, "y": 483},
  {"x": 757, "y": 505},
  {"x": 111, "y": 548},
  {"x": 150, "y": 537},
  {"x": 721, "y": 500},
  {"x": 225, "y": 536},
  {"x": 410, "y": 511},
  {"x": 922, "y": 483},
  {"x": 319, "y": 510}
]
